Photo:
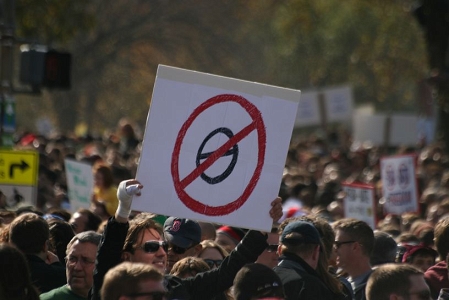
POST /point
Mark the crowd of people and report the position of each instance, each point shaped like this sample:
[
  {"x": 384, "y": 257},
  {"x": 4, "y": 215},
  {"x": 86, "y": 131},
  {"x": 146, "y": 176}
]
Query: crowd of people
[{"x": 313, "y": 251}]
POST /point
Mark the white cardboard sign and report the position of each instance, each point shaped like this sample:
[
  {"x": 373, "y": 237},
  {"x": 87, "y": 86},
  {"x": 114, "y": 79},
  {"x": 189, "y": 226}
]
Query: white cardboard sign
[
  {"x": 214, "y": 148},
  {"x": 80, "y": 183},
  {"x": 359, "y": 202},
  {"x": 399, "y": 184}
]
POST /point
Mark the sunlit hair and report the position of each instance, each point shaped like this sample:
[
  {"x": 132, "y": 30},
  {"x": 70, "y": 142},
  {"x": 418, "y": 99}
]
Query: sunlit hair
[
  {"x": 189, "y": 267},
  {"x": 126, "y": 278},
  {"x": 358, "y": 231},
  {"x": 214, "y": 245},
  {"x": 388, "y": 279},
  {"x": 136, "y": 226}
]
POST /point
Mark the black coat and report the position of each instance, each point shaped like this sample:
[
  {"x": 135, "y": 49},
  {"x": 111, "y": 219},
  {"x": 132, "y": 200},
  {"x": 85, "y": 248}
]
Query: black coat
[
  {"x": 301, "y": 281},
  {"x": 44, "y": 276},
  {"x": 203, "y": 286}
]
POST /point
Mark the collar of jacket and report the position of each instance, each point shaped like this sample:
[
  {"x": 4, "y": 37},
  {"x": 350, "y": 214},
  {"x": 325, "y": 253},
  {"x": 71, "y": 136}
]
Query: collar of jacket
[{"x": 293, "y": 261}]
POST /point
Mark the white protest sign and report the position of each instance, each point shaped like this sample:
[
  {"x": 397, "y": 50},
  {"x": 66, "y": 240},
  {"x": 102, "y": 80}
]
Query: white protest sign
[
  {"x": 404, "y": 130},
  {"x": 360, "y": 203},
  {"x": 370, "y": 128},
  {"x": 80, "y": 184},
  {"x": 339, "y": 103},
  {"x": 214, "y": 148},
  {"x": 308, "y": 110},
  {"x": 399, "y": 184}
]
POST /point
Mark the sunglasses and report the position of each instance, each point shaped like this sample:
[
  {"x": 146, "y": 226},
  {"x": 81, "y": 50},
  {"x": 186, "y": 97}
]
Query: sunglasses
[
  {"x": 213, "y": 263},
  {"x": 153, "y": 295},
  {"x": 153, "y": 246},
  {"x": 272, "y": 248},
  {"x": 179, "y": 250}
]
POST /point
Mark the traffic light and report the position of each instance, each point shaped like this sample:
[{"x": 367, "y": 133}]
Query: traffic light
[
  {"x": 42, "y": 68},
  {"x": 57, "y": 70}
]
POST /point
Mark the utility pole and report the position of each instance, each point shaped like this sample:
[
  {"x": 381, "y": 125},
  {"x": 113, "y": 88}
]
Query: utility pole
[{"x": 7, "y": 100}]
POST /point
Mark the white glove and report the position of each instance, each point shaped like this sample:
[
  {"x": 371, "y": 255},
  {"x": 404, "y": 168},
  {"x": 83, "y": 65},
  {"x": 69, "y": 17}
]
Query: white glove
[{"x": 125, "y": 195}]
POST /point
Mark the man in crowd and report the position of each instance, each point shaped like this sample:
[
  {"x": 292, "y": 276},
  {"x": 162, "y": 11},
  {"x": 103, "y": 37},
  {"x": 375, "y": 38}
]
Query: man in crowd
[
  {"x": 128, "y": 281},
  {"x": 30, "y": 234},
  {"x": 437, "y": 275},
  {"x": 183, "y": 237},
  {"x": 84, "y": 220},
  {"x": 397, "y": 281},
  {"x": 299, "y": 251},
  {"x": 257, "y": 281},
  {"x": 354, "y": 241},
  {"x": 80, "y": 264},
  {"x": 142, "y": 241}
]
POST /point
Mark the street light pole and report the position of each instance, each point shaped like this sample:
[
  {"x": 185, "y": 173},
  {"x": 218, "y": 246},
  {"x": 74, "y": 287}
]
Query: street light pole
[{"x": 7, "y": 104}]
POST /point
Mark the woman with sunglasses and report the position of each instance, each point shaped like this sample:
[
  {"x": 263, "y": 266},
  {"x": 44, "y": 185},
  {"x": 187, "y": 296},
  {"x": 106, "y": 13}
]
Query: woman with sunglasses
[
  {"x": 212, "y": 253},
  {"x": 144, "y": 243}
]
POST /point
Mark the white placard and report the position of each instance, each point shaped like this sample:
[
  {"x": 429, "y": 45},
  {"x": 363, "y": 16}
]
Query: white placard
[
  {"x": 80, "y": 184},
  {"x": 339, "y": 104},
  {"x": 399, "y": 184},
  {"x": 308, "y": 110},
  {"x": 360, "y": 203},
  {"x": 403, "y": 130},
  {"x": 369, "y": 128},
  {"x": 214, "y": 148}
]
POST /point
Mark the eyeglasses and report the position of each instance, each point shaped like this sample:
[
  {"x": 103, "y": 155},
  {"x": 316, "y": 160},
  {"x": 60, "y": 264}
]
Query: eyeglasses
[
  {"x": 422, "y": 295},
  {"x": 213, "y": 263},
  {"x": 179, "y": 250},
  {"x": 84, "y": 261},
  {"x": 153, "y": 295},
  {"x": 337, "y": 244},
  {"x": 153, "y": 246},
  {"x": 272, "y": 248}
]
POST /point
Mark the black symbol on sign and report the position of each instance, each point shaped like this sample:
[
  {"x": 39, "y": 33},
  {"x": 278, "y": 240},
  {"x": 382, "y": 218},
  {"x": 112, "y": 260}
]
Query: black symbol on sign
[
  {"x": 234, "y": 151},
  {"x": 22, "y": 166}
]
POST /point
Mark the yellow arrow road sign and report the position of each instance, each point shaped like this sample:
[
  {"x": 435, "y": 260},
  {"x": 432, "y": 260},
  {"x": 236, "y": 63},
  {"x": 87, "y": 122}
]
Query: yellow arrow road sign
[{"x": 19, "y": 167}]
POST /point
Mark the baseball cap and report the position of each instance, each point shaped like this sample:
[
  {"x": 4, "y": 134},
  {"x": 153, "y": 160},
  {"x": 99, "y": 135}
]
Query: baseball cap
[
  {"x": 415, "y": 249},
  {"x": 300, "y": 232},
  {"x": 182, "y": 232},
  {"x": 257, "y": 280}
]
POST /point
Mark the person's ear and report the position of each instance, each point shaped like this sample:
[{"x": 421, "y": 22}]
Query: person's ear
[
  {"x": 126, "y": 256},
  {"x": 46, "y": 246},
  {"x": 395, "y": 297},
  {"x": 316, "y": 253},
  {"x": 198, "y": 248}
]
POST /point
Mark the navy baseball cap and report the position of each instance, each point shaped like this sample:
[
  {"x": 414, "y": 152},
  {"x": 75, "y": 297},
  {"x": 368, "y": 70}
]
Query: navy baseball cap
[
  {"x": 300, "y": 232},
  {"x": 182, "y": 232}
]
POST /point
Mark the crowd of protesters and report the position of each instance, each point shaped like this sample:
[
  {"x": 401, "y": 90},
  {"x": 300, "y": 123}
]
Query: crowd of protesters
[{"x": 312, "y": 252}]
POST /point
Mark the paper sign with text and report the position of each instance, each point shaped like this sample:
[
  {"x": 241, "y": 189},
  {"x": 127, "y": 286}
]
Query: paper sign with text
[
  {"x": 214, "y": 148},
  {"x": 80, "y": 184},
  {"x": 360, "y": 202},
  {"x": 399, "y": 184}
]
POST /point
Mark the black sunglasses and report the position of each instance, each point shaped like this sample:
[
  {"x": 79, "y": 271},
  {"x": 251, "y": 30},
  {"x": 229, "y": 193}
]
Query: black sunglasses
[
  {"x": 213, "y": 263},
  {"x": 337, "y": 244},
  {"x": 272, "y": 248},
  {"x": 179, "y": 250},
  {"x": 153, "y": 246},
  {"x": 153, "y": 295}
]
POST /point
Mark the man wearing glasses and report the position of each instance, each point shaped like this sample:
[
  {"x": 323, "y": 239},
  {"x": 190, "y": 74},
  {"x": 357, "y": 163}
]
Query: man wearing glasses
[
  {"x": 354, "y": 242},
  {"x": 397, "y": 281},
  {"x": 80, "y": 264},
  {"x": 183, "y": 237},
  {"x": 132, "y": 281},
  {"x": 142, "y": 241}
]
